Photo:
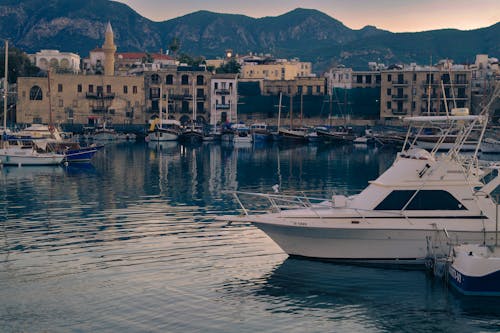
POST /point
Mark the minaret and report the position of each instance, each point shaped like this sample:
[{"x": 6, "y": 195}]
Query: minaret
[{"x": 109, "y": 49}]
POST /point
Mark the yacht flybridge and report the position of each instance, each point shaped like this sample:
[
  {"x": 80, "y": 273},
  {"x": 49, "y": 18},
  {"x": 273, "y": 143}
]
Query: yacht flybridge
[{"x": 425, "y": 195}]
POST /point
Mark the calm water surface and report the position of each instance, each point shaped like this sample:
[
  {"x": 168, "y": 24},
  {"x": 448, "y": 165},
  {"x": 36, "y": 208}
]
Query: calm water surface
[{"x": 129, "y": 243}]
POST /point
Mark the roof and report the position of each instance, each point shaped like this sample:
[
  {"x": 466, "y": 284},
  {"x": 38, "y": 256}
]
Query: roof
[{"x": 140, "y": 55}]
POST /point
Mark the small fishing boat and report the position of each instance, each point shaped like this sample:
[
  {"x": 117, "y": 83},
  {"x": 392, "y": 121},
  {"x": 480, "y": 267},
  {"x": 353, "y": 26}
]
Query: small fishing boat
[
  {"x": 164, "y": 130},
  {"x": 260, "y": 132},
  {"x": 241, "y": 134},
  {"x": 475, "y": 269},
  {"x": 342, "y": 135},
  {"x": 28, "y": 152}
]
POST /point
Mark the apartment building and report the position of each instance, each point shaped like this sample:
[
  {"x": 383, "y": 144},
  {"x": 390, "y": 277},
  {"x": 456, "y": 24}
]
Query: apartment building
[
  {"x": 184, "y": 89},
  {"x": 424, "y": 91},
  {"x": 224, "y": 99}
]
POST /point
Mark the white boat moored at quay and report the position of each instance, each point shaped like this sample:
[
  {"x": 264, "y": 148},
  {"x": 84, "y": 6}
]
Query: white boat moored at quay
[{"x": 424, "y": 193}]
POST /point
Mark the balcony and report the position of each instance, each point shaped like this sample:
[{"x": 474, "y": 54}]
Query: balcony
[
  {"x": 399, "y": 97},
  {"x": 222, "y": 106},
  {"x": 399, "y": 112},
  {"x": 181, "y": 97},
  {"x": 99, "y": 109},
  {"x": 100, "y": 95},
  {"x": 400, "y": 83},
  {"x": 425, "y": 96},
  {"x": 222, "y": 92}
]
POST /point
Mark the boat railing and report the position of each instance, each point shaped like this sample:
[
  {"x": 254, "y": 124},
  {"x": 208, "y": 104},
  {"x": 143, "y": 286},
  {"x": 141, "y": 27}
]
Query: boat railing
[{"x": 279, "y": 202}]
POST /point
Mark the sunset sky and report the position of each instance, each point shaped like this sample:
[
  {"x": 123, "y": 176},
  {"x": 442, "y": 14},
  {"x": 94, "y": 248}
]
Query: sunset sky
[{"x": 392, "y": 15}]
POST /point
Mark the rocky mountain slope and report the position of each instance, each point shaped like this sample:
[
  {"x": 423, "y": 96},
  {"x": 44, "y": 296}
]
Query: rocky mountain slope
[{"x": 78, "y": 26}]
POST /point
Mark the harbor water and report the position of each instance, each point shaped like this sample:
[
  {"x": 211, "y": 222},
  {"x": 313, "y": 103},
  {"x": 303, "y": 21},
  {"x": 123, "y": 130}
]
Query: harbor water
[{"x": 130, "y": 243}]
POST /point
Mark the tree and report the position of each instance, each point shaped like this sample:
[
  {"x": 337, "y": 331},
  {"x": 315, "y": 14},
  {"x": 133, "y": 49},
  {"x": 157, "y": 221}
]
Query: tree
[
  {"x": 19, "y": 64},
  {"x": 184, "y": 58},
  {"x": 232, "y": 66},
  {"x": 174, "y": 46}
]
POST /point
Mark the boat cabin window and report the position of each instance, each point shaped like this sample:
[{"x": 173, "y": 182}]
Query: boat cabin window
[{"x": 423, "y": 200}]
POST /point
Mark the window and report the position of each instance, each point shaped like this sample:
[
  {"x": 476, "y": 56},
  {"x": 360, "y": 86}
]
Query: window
[
  {"x": 423, "y": 200},
  {"x": 108, "y": 89},
  {"x": 309, "y": 90},
  {"x": 35, "y": 93},
  {"x": 216, "y": 85},
  {"x": 199, "y": 93},
  {"x": 389, "y": 91},
  {"x": 200, "y": 80},
  {"x": 91, "y": 88},
  {"x": 369, "y": 79},
  {"x": 389, "y": 105},
  {"x": 134, "y": 89},
  {"x": 125, "y": 89},
  {"x": 59, "y": 87},
  {"x": 184, "y": 80},
  {"x": 169, "y": 79},
  {"x": 155, "y": 79},
  {"x": 389, "y": 77},
  {"x": 318, "y": 89},
  {"x": 79, "y": 88}
]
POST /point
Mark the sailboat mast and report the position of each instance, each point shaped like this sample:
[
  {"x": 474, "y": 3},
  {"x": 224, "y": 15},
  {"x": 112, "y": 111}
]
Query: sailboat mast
[
  {"x": 301, "y": 108},
  {"x": 194, "y": 105},
  {"x": 291, "y": 111},
  {"x": 161, "y": 105},
  {"x": 6, "y": 86},
  {"x": 279, "y": 111},
  {"x": 51, "y": 126}
]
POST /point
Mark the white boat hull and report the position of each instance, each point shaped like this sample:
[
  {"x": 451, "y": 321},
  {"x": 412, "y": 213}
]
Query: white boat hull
[
  {"x": 27, "y": 158},
  {"x": 370, "y": 244},
  {"x": 163, "y": 136}
]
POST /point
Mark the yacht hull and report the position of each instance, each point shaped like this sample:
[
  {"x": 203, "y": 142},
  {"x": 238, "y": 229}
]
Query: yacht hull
[{"x": 375, "y": 244}]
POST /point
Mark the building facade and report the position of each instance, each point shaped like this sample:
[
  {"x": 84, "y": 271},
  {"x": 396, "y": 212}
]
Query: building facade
[
  {"x": 277, "y": 70},
  {"x": 81, "y": 99},
  {"x": 423, "y": 91},
  {"x": 224, "y": 99},
  {"x": 177, "y": 86},
  {"x": 57, "y": 61}
]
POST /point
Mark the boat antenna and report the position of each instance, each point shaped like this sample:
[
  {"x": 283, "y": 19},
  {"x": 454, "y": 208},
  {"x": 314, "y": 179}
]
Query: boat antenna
[{"x": 5, "y": 91}]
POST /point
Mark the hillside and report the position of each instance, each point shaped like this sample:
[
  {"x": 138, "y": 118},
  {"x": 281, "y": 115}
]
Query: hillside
[{"x": 78, "y": 26}]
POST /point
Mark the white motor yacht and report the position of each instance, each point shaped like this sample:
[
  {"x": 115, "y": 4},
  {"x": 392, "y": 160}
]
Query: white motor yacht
[{"x": 423, "y": 194}]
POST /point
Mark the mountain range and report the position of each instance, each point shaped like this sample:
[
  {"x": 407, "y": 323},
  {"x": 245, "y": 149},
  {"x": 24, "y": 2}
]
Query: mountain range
[{"x": 78, "y": 26}]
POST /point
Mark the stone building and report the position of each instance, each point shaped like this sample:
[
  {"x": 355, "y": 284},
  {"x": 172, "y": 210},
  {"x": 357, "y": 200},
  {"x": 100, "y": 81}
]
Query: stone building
[
  {"x": 81, "y": 99},
  {"x": 275, "y": 70},
  {"x": 57, "y": 61},
  {"x": 176, "y": 86}
]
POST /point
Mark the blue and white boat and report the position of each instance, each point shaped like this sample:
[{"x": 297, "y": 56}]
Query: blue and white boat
[
  {"x": 260, "y": 132},
  {"x": 475, "y": 269}
]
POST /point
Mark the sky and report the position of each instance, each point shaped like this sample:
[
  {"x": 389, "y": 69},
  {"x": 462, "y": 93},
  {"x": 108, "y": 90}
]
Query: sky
[{"x": 392, "y": 15}]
